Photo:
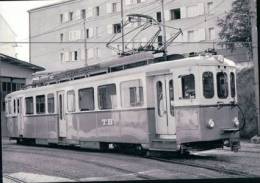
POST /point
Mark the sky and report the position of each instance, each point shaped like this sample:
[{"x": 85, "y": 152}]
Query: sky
[{"x": 16, "y": 15}]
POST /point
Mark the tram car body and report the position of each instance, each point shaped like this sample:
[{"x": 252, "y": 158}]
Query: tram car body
[{"x": 172, "y": 105}]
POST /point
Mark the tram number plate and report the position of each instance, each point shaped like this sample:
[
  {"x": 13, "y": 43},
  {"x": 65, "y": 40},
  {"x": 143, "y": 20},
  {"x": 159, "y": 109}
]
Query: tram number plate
[{"x": 107, "y": 122}]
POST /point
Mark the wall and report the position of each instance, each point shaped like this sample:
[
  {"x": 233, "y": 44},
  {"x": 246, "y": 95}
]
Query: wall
[
  {"x": 196, "y": 15},
  {"x": 6, "y": 35}
]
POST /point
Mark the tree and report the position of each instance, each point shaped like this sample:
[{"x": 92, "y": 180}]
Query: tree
[{"x": 236, "y": 27}]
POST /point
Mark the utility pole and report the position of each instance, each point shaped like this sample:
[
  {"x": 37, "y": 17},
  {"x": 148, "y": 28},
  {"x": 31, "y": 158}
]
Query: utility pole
[
  {"x": 122, "y": 28},
  {"x": 253, "y": 13},
  {"x": 85, "y": 41},
  {"x": 164, "y": 31}
]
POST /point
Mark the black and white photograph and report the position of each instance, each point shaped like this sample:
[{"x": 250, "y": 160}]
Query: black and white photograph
[{"x": 129, "y": 91}]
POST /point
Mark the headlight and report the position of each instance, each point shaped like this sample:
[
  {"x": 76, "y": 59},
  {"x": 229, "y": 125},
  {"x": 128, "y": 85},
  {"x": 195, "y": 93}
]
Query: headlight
[
  {"x": 236, "y": 122},
  {"x": 211, "y": 123}
]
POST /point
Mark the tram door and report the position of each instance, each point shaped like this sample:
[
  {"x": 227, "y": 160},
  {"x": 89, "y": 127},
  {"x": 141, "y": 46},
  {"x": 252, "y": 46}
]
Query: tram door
[
  {"x": 20, "y": 116},
  {"x": 164, "y": 106},
  {"x": 62, "y": 126}
]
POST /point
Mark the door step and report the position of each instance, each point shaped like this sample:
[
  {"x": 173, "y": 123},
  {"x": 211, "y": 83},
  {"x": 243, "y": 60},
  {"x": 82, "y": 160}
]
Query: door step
[{"x": 164, "y": 144}]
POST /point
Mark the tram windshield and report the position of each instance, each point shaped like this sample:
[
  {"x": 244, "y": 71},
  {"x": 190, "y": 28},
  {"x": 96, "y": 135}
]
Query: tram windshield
[
  {"x": 222, "y": 85},
  {"x": 208, "y": 84}
]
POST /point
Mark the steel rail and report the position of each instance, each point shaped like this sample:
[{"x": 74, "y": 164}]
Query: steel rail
[{"x": 208, "y": 167}]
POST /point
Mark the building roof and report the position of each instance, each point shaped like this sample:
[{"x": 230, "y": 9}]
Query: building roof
[
  {"x": 51, "y": 5},
  {"x": 17, "y": 62}
]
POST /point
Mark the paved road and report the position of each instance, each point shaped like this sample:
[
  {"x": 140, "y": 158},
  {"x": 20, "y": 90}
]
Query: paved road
[{"x": 32, "y": 164}]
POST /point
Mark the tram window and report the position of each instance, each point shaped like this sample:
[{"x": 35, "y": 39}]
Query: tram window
[
  {"x": 232, "y": 84},
  {"x": 50, "y": 99},
  {"x": 208, "y": 84},
  {"x": 171, "y": 94},
  {"x": 40, "y": 104},
  {"x": 14, "y": 104},
  {"x": 159, "y": 91},
  {"x": 86, "y": 99},
  {"x": 9, "y": 107},
  {"x": 29, "y": 105},
  {"x": 222, "y": 85},
  {"x": 132, "y": 93},
  {"x": 188, "y": 86},
  {"x": 18, "y": 106},
  {"x": 107, "y": 96},
  {"x": 71, "y": 101}
]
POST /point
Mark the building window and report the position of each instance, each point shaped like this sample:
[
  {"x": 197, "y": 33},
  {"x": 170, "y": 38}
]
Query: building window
[
  {"x": 175, "y": 13},
  {"x": 188, "y": 86},
  {"x": 222, "y": 85},
  {"x": 160, "y": 41},
  {"x": 208, "y": 84},
  {"x": 117, "y": 28},
  {"x": 86, "y": 99},
  {"x": 14, "y": 104},
  {"x": 61, "y": 56},
  {"x": 40, "y": 104},
  {"x": 61, "y": 18},
  {"x": 132, "y": 93},
  {"x": 71, "y": 101},
  {"x": 83, "y": 13},
  {"x": 50, "y": 101},
  {"x": 107, "y": 96},
  {"x": 159, "y": 16},
  {"x": 75, "y": 55},
  {"x": 97, "y": 11},
  {"x": 212, "y": 34},
  {"x": 87, "y": 33},
  {"x": 209, "y": 7},
  {"x": 61, "y": 37},
  {"x": 232, "y": 84},
  {"x": 190, "y": 36},
  {"x": 71, "y": 16},
  {"x": 29, "y": 105}
]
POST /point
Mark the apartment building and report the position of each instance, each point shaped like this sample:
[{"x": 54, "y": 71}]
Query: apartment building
[
  {"x": 7, "y": 38},
  {"x": 73, "y": 33}
]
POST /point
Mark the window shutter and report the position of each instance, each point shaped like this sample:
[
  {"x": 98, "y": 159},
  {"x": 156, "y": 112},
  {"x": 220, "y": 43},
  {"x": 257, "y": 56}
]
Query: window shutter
[
  {"x": 109, "y": 29},
  {"x": 91, "y": 31},
  {"x": 127, "y": 2},
  {"x": 66, "y": 56},
  {"x": 77, "y": 15},
  {"x": 183, "y": 12},
  {"x": 118, "y": 7},
  {"x": 200, "y": 35},
  {"x": 70, "y": 35},
  {"x": 167, "y": 15},
  {"x": 78, "y": 34},
  {"x": 82, "y": 54},
  {"x": 90, "y": 53},
  {"x": 109, "y": 7},
  {"x": 200, "y": 9},
  {"x": 89, "y": 12},
  {"x": 66, "y": 16}
]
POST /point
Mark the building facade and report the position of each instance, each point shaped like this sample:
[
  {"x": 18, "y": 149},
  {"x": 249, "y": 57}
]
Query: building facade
[
  {"x": 14, "y": 75},
  {"x": 58, "y": 32},
  {"x": 7, "y": 38}
]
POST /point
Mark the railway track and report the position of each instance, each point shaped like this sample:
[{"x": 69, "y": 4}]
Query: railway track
[
  {"x": 13, "y": 179},
  {"x": 98, "y": 164},
  {"x": 204, "y": 166},
  {"x": 187, "y": 162}
]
